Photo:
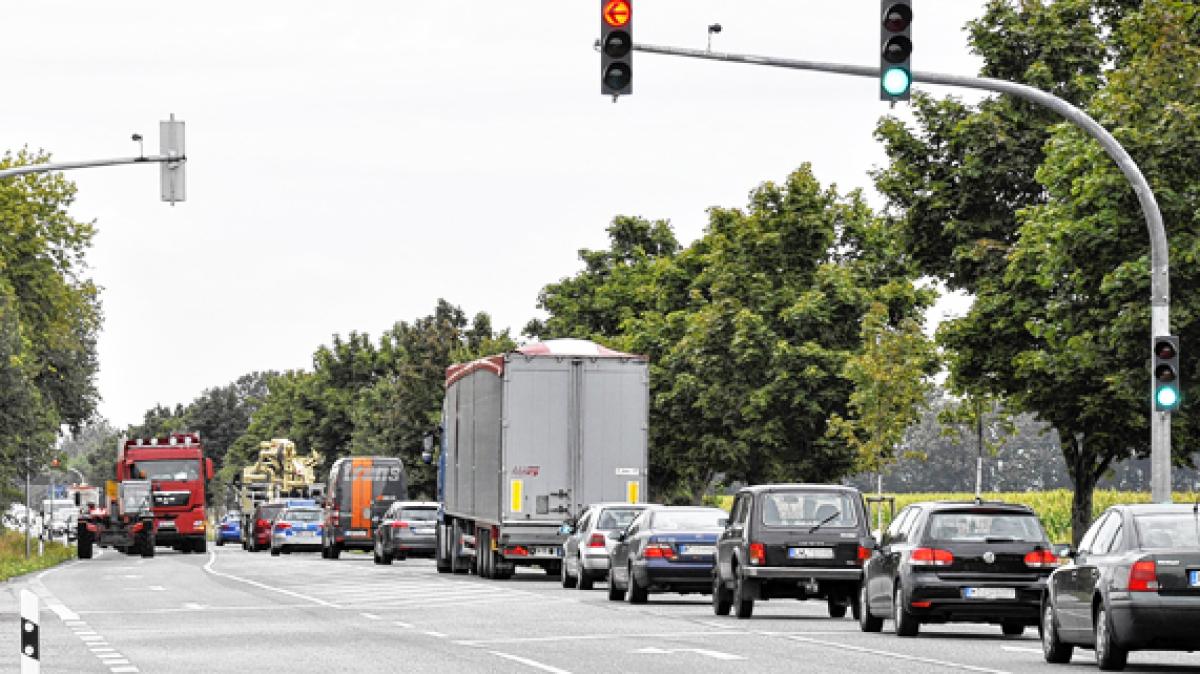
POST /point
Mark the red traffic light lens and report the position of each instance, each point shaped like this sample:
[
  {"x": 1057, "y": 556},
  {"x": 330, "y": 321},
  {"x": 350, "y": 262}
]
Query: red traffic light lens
[
  {"x": 1164, "y": 350},
  {"x": 897, "y": 17},
  {"x": 616, "y": 13}
]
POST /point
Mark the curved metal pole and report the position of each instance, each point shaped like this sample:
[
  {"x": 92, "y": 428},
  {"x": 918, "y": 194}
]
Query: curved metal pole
[{"x": 1160, "y": 295}]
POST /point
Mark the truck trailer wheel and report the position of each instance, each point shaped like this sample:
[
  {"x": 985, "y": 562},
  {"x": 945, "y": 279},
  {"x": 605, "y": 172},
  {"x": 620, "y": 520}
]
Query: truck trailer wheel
[{"x": 440, "y": 556}]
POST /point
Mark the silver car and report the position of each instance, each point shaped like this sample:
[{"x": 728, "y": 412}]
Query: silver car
[
  {"x": 585, "y": 552},
  {"x": 297, "y": 528}
]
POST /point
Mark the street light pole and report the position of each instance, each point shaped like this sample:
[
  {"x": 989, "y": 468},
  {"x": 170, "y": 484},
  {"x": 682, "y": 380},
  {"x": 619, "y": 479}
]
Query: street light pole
[{"x": 1160, "y": 296}]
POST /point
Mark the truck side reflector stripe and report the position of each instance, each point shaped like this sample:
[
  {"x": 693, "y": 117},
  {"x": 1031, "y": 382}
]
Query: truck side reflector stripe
[
  {"x": 631, "y": 491},
  {"x": 516, "y": 490}
]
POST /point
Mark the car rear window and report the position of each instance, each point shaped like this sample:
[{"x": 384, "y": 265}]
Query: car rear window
[
  {"x": 808, "y": 508},
  {"x": 269, "y": 511},
  {"x": 687, "y": 520},
  {"x": 301, "y": 515},
  {"x": 985, "y": 527},
  {"x": 418, "y": 514},
  {"x": 612, "y": 519},
  {"x": 1168, "y": 530}
]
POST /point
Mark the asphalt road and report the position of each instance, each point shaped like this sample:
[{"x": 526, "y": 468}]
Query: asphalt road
[{"x": 232, "y": 611}]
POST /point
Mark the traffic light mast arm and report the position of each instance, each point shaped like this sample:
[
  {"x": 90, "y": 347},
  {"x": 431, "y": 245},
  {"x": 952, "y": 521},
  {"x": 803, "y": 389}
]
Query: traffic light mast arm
[
  {"x": 68, "y": 165},
  {"x": 1160, "y": 296}
]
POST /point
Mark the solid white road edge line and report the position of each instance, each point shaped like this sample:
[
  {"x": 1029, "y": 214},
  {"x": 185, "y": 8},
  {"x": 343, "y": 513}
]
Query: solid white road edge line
[
  {"x": 530, "y": 663},
  {"x": 212, "y": 558}
]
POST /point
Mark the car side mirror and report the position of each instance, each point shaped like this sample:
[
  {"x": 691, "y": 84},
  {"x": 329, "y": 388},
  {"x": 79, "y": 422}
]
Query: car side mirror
[
  {"x": 872, "y": 543},
  {"x": 621, "y": 536},
  {"x": 1063, "y": 550}
]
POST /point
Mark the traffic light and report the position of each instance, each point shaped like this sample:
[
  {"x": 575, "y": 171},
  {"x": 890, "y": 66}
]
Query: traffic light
[
  {"x": 895, "y": 69},
  {"x": 1166, "y": 373},
  {"x": 616, "y": 47}
]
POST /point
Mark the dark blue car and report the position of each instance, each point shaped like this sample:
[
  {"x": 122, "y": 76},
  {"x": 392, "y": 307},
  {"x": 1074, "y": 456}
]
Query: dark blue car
[
  {"x": 665, "y": 549},
  {"x": 230, "y": 529}
]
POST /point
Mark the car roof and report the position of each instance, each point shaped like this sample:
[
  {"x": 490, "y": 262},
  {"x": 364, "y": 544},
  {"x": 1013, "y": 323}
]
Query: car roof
[
  {"x": 415, "y": 504},
  {"x": 972, "y": 505},
  {"x": 1147, "y": 508},
  {"x": 798, "y": 486},
  {"x": 307, "y": 509},
  {"x": 620, "y": 504}
]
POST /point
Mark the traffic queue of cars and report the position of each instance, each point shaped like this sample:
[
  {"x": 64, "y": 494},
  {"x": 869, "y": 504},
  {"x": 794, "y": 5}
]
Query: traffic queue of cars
[{"x": 1132, "y": 584}]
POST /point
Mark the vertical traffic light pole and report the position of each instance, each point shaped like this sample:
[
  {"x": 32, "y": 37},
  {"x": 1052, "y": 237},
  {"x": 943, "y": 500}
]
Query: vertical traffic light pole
[{"x": 1160, "y": 296}]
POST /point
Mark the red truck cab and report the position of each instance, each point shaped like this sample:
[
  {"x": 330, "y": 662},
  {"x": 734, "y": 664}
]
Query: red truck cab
[{"x": 178, "y": 472}]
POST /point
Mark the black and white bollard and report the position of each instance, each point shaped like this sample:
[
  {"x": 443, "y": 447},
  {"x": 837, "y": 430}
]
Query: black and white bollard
[{"x": 31, "y": 651}]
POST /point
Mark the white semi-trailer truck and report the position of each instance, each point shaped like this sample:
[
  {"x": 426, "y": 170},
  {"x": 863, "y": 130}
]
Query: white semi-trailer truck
[{"x": 529, "y": 439}]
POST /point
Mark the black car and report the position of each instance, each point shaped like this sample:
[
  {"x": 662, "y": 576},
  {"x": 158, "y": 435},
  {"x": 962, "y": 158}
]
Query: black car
[
  {"x": 958, "y": 562},
  {"x": 1133, "y": 584},
  {"x": 665, "y": 549},
  {"x": 407, "y": 528},
  {"x": 801, "y": 541}
]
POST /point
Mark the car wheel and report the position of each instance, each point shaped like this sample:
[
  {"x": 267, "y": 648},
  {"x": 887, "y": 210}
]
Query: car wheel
[
  {"x": 334, "y": 551},
  {"x": 568, "y": 581},
  {"x": 615, "y": 593},
  {"x": 586, "y": 580},
  {"x": 721, "y": 599},
  {"x": 743, "y": 605},
  {"x": 1053, "y": 649},
  {"x": 220, "y": 541},
  {"x": 836, "y": 608},
  {"x": 1012, "y": 628},
  {"x": 866, "y": 621},
  {"x": 274, "y": 551},
  {"x": 907, "y": 624},
  {"x": 1109, "y": 654},
  {"x": 638, "y": 593}
]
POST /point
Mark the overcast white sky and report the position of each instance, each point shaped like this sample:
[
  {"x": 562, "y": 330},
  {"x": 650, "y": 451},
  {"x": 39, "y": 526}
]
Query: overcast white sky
[{"x": 351, "y": 162}]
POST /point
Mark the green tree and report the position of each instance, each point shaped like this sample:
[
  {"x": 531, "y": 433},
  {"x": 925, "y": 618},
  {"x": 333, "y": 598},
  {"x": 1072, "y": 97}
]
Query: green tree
[
  {"x": 49, "y": 314},
  {"x": 890, "y": 376}
]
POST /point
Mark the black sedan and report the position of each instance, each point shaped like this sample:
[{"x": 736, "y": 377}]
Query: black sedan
[
  {"x": 958, "y": 562},
  {"x": 407, "y": 528},
  {"x": 1133, "y": 584},
  {"x": 665, "y": 549}
]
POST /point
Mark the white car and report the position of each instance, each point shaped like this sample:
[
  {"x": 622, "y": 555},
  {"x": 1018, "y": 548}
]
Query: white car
[{"x": 585, "y": 552}]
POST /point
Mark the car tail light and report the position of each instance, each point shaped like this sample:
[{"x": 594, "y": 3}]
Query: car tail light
[
  {"x": 931, "y": 557},
  {"x": 596, "y": 541},
  {"x": 282, "y": 525},
  {"x": 758, "y": 554},
  {"x": 399, "y": 525},
  {"x": 335, "y": 518},
  {"x": 517, "y": 550},
  {"x": 1041, "y": 559},
  {"x": 1143, "y": 576},
  {"x": 262, "y": 524},
  {"x": 863, "y": 555},
  {"x": 658, "y": 551}
]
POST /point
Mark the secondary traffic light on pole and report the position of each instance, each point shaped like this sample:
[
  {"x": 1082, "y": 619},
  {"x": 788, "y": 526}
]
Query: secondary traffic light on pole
[
  {"x": 895, "y": 68},
  {"x": 616, "y": 47},
  {"x": 1166, "y": 374}
]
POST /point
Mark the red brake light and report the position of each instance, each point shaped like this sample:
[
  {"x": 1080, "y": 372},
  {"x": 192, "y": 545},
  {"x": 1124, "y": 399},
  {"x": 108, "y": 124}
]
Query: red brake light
[
  {"x": 399, "y": 525},
  {"x": 283, "y": 525},
  {"x": 658, "y": 551},
  {"x": 863, "y": 555},
  {"x": 1041, "y": 559},
  {"x": 1143, "y": 576},
  {"x": 931, "y": 557},
  {"x": 758, "y": 554},
  {"x": 261, "y": 524},
  {"x": 596, "y": 541},
  {"x": 517, "y": 550}
]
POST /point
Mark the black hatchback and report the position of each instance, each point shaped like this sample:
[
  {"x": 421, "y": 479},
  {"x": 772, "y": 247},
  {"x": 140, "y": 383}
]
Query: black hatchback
[
  {"x": 800, "y": 541},
  {"x": 979, "y": 562}
]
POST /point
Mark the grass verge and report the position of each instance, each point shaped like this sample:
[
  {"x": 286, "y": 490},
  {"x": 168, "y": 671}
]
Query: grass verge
[{"x": 12, "y": 555}]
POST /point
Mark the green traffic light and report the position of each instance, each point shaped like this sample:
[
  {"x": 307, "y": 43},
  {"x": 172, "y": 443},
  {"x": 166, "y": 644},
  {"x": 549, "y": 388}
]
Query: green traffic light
[
  {"x": 1166, "y": 397},
  {"x": 896, "y": 81}
]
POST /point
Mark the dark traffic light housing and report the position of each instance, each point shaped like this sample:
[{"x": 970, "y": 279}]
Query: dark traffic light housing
[
  {"x": 895, "y": 58},
  {"x": 1167, "y": 391},
  {"x": 616, "y": 47}
]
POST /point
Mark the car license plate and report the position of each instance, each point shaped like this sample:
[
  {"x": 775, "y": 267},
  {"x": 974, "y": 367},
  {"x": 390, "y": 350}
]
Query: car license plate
[
  {"x": 696, "y": 550},
  {"x": 1193, "y": 577},
  {"x": 989, "y": 593},
  {"x": 810, "y": 553},
  {"x": 356, "y": 532},
  {"x": 546, "y": 552},
  {"x": 423, "y": 532},
  {"x": 166, "y": 524}
]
